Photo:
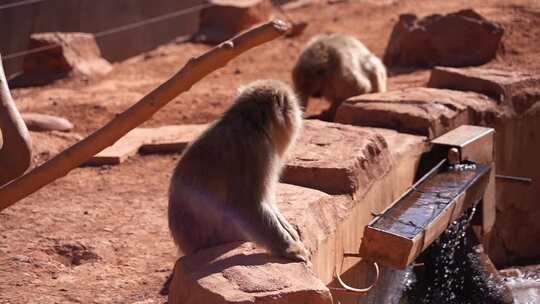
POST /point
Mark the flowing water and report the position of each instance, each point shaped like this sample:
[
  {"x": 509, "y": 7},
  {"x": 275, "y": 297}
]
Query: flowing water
[{"x": 452, "y": 272}]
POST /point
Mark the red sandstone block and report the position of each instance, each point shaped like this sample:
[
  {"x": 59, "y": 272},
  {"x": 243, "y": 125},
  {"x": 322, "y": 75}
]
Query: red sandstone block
[
  {"x": 423, "y": 111},
  {"x": 336, "y": 158}
]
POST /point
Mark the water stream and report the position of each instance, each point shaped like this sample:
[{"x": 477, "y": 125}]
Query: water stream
[{"x": 452, "y": 271}]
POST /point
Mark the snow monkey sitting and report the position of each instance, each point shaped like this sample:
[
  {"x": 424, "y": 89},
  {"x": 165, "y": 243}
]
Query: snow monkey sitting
[
  {"x": 223, "y": 188},
  {"x": 337, "y": 67}
]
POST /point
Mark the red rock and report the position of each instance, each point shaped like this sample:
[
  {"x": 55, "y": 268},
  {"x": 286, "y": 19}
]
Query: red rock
[
  {"x": 516, "y": 233},
  {"x": 459, "y": 39},
  {"x": 226, "y": 18},
  {"x": 519, "y": 90},
  {"x": 315, "y": 214},
  {"x": 42, "y": 122},
  {"x": 336, "y": 158},
  {"x": 242, "y": 273},
  {"x": 423, "y": 111},
  {"x": 63, "y": 54}
]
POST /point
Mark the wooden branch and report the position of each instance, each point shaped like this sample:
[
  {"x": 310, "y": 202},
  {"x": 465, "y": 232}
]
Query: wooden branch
[
  {"x": 194, "y": 70},
  {"x": 15, "y": 154}
]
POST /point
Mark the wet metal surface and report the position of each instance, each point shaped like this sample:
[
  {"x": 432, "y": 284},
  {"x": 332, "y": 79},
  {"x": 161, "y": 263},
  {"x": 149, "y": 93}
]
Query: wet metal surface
[{"x": 418, "y": 208}]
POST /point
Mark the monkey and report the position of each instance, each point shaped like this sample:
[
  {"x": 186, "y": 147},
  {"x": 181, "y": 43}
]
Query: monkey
[
  {"x": 337, "y": 67},
  {"x": 223, "y": 187}
]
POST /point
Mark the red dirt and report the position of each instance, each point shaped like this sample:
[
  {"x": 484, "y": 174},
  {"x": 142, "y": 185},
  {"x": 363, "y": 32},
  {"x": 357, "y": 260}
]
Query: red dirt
[{"x": 99, "y": 235}]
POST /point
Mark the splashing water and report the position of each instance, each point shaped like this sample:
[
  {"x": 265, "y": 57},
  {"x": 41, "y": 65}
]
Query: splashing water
[
  {"x": 453, "y": 273},
  {"x": 525, "y": 285}
]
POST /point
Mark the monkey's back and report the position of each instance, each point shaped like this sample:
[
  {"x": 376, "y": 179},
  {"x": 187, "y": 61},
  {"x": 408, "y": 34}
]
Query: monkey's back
[
  {"x": 350, "y": 68},
  {"x": 220, "y": 176}
]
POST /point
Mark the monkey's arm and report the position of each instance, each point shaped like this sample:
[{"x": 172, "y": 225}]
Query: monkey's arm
[
  {"x": 285, "y": 224},
  {"x": 265, "y": 227}
]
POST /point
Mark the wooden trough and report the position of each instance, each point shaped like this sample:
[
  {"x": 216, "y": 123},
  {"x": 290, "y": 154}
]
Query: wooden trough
[{"x": 396, "y": 237}]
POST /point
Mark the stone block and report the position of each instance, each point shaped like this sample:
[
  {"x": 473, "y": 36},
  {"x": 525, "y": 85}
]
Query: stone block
[
  {"x": 41, "y": 122},
  {"x": 458, "y": 39},
  {"x": 226, "y": 18},
  {"x": 61, "y": 54},
  {"x": 242, "y": 273},
  {"x": 336, "y": 158},
  {"x": 517, "y": 89},
  {"x": 423, "y": 111}
]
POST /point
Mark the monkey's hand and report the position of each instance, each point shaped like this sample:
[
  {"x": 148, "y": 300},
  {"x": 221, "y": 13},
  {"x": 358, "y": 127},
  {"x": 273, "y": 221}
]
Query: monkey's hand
[{"x": 297, "y": 252}]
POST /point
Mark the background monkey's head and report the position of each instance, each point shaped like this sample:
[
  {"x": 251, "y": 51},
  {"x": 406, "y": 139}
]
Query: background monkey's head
[{"x": 312, "y": 70}]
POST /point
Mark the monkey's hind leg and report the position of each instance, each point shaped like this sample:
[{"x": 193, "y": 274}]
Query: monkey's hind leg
[{"x": 266, "y": 229}]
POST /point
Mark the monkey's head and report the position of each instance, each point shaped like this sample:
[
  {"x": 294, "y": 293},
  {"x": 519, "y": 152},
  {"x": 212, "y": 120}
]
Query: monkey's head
[
  {"x": 313, "y": 68},
  {"x": 271, "y": 107}
]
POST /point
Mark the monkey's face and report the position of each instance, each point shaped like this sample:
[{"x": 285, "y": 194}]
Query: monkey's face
[{"x": 309, "y": 80}]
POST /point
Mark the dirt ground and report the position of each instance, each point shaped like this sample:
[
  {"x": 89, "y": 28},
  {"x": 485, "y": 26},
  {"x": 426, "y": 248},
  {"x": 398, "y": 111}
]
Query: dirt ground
[{"x": 99, "y": 235}]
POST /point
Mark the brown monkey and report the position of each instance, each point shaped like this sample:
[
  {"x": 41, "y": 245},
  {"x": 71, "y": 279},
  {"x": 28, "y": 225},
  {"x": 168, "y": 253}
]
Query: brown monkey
[
  {"x": 222, "y": 190},
  {"x": 337, "y": 67}
]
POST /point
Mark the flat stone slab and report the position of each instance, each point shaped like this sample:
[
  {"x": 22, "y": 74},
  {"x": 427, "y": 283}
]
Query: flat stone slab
[
  {"x": 336, "y": 158},
  {"x": 243, "y": 273},
  {"x": 518, "y": 89},
  {"x": 148, "y": 140},
  {"x": 422, "y": 111}
]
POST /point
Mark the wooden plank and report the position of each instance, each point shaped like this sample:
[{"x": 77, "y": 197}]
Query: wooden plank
[
  {"x": 151, "y": 140},
  {"x": 125, "y": 147},
  {"x": 172, "y": 139}
]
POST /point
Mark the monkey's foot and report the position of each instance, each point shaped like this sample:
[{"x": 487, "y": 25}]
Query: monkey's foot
[{"x": 297, "y": 252}]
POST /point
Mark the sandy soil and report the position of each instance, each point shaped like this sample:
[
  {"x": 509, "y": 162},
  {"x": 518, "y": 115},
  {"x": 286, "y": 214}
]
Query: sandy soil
[{"x": 99, "y": 235}]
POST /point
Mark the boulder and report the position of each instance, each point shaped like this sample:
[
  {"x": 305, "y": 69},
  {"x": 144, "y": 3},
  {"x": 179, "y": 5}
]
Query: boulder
[
  {"x": 422, "y": 111},
  {"x": 336, "y": 158},
  {"x": 463, "y": 38},
  {"x": 42, "y": 122},
  {"x": 242, "y": 273},
  {"x": 517, "y": 89},
  {"x": 226, "y": 18},
  {"x": 61, "y": 54}
]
